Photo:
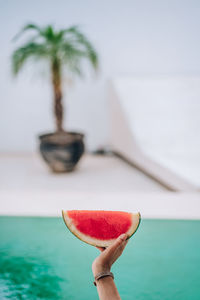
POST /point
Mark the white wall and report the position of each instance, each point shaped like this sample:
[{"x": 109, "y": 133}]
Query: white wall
[{"x": 146, "y": 37}]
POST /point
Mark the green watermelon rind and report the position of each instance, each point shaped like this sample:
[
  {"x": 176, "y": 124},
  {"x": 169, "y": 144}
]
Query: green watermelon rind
[
  {"x": 136, "y": 227},
  {"x": 94, "y": 244}
]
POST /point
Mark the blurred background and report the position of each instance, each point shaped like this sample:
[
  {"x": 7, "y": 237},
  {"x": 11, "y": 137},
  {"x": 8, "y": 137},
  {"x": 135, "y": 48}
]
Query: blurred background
[
  {"x": 138, "y": 38},
  {"x": 139, "y": 114}
]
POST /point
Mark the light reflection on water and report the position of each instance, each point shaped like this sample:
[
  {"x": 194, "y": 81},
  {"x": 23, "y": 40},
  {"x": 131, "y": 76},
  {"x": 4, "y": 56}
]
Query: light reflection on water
[{"x": 28, "y": 278}]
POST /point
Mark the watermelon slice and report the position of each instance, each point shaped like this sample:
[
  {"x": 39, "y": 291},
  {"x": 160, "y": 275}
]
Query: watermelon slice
[{"x": 100, "y": 228}]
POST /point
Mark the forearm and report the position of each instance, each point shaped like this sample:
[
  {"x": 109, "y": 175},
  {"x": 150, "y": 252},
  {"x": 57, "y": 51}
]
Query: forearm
[{"x": 107, "y": 289}]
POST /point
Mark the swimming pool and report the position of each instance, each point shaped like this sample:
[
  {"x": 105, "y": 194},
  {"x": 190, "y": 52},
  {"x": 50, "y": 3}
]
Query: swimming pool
[{"x": 41, "y": 259}]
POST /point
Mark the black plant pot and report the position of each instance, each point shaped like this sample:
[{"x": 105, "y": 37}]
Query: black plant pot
[{"x": 62, "y": 151}]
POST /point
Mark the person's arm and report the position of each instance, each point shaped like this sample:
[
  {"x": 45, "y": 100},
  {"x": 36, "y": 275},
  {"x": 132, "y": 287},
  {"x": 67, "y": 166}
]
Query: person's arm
[{"x": 106, "y": 287}]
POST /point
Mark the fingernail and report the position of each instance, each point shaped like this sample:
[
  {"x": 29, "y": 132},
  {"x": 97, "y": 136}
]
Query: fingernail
[{"x": 123, "y": 236}]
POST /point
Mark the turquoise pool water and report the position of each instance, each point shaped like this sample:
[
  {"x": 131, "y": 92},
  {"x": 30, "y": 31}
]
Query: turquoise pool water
[{"x": 41, "y": 259}]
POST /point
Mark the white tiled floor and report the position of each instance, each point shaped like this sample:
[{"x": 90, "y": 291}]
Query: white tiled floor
[
  {"x": 94, "y": 174},
  {"x": 28, "y": 188}
]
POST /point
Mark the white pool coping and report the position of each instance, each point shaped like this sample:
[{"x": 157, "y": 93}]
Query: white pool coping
[{"x": 166, "y": 205}]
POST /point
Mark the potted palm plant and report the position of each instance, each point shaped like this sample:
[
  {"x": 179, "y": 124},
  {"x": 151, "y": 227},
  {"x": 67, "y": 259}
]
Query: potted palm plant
[{"x": 63, "y": 49}]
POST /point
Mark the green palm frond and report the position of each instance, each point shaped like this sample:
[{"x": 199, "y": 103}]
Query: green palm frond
[
  {"x": 48, "y": 33},
  {"x": 25, "y": 53},
  {"x": 81, "y": 41},
  {"x": 68, "y": 46},
  {"x": 31, "y": 49},
  {"x": 25, "y": 28}
]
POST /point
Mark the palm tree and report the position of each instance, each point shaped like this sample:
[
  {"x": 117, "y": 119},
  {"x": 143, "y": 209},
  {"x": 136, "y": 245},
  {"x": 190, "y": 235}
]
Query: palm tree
[{"x": 61, "y": 49}]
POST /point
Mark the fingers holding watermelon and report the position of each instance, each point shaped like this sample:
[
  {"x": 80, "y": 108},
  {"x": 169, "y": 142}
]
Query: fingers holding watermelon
[{"x": 109, "y": 255}]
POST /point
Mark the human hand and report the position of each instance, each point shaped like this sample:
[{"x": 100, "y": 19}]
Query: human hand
[{"x": 109, "y": 255}]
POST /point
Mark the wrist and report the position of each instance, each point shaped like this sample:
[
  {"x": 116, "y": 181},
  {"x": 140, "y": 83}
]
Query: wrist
[
  {"x": 97, "y": 269},
  {"x": 102, "y": 276}
]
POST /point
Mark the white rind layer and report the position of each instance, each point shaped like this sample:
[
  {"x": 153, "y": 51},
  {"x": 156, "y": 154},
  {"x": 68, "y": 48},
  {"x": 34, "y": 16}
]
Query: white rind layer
[{"x": 96, "y": 242}]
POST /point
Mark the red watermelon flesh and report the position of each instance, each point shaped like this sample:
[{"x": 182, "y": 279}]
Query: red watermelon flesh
[{"x": 100, "y": 228}]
